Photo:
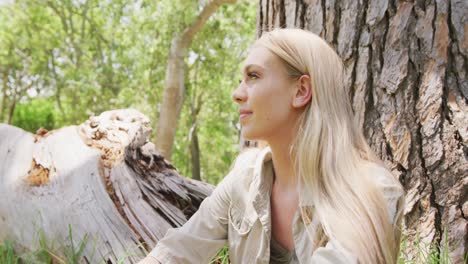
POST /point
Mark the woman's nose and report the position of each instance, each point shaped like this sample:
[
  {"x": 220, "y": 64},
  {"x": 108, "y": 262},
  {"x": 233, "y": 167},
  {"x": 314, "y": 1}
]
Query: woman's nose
[{"x": 239, "y": 95}]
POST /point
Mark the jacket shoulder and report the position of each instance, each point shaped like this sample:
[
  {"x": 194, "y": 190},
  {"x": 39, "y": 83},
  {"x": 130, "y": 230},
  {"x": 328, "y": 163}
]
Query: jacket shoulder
[
  {"x": 385, "y": 179},
  {"x": 391, "y": 189},
  {"x": 244, "y": 167}
]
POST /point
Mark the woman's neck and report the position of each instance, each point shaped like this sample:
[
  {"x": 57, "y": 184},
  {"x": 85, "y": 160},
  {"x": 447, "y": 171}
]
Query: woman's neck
[{"x": 283, "y": 164}]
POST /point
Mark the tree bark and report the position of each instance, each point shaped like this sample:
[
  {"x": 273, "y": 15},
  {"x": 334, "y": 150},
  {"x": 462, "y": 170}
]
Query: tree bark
[
  {"x": 103, "y": 178},
  {"x": 195, "y": 154},
  {"x": 406, "y": 64},
  {"x": 4, "y": 95},
  {"x": 196, "y": 104},
  {"x": 174, "y": 83},
  {"x": 11, "y": 111}
]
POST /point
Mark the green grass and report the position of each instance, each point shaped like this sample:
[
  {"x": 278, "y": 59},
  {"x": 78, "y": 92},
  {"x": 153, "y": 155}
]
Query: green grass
[
  {"x": 222, "y": 257},
  {"x": 7, "y": 253},
  {"x": 47, "y": 251},
  {"x": 50, "y": 252},
  {"x": 427, "y": 253}
]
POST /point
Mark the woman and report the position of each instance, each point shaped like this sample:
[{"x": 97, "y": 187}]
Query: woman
[{"x": 316, "y": 194}]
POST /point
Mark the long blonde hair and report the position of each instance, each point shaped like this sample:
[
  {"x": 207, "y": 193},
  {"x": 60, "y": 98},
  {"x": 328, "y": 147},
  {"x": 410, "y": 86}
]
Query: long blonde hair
[{"x": 331, "y": 153}]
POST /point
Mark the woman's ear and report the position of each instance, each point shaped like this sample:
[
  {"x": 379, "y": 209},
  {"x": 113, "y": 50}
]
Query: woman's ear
[{"x": 303, "y": 93}]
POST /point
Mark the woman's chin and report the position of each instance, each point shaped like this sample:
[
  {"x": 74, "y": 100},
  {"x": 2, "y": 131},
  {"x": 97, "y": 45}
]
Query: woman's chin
[
  {"x": 246, "y": 135},
  {"x": 249, "y": 135}
]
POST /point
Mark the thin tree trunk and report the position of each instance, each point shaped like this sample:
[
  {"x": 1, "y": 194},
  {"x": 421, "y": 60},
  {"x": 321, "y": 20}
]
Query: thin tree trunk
[
  {"x": 11, "y": 111},
  {"x": 196, "y": 103},
  {"x": 58, "y": 83},
  {"x": 174, "y": 91},
  {"x": 406, "y": 65},
  {"x": 4, "y": 96},
  {"x": 195, "y": 154}
]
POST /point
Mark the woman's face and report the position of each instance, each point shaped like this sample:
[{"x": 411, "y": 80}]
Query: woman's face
[{"x": 265, "y": 97}]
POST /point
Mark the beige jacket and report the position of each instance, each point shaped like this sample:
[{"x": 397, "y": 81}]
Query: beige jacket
[{"x": 238, "y": 213}]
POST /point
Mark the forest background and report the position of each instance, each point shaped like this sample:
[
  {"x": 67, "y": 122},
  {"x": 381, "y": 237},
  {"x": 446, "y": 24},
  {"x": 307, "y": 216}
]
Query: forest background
[{"x": 64, "y": 61}]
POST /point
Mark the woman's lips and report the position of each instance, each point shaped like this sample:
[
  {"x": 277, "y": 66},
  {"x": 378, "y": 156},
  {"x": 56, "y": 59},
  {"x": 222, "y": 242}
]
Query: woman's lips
[{"x": 244, "y": 114}]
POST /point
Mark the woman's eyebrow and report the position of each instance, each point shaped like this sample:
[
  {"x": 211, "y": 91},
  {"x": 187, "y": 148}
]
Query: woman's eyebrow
[{"x": 247, "y": 67}]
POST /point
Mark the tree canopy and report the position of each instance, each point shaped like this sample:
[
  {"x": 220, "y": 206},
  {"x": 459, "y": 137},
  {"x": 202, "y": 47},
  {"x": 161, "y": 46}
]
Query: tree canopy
[{"x": 62, "y": 61}]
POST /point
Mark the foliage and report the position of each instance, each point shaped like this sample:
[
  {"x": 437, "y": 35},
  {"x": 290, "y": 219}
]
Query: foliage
[
  {"x": 53, "y": 251},
  {"x": 427, "y": 253},
  {"x": 213, "y": 65},
  {"x": 62, "y": 61},
  {"x": 222, "y": 257},
  {"x": 36, "y": 113},
  {"x": 7, "y": 253},
  {"x": 46, "y": 252}
]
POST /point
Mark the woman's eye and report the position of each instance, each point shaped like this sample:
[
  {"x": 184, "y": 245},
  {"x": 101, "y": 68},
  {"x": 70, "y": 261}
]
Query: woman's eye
[{"x": 252, "y": 75}]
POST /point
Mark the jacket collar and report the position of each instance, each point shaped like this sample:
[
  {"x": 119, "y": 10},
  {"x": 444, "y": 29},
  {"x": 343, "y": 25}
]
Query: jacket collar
[
  {"x": 261, "y": 187},
  {"x": 263, "y": 171},
  {"x": 262, "y": 184}
]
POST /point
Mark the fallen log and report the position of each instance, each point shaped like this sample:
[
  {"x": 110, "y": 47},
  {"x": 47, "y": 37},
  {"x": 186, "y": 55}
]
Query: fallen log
[{"x": 102, "y": 179}]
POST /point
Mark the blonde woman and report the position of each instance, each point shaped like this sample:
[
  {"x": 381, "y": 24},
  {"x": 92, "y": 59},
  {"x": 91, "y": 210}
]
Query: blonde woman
[{"x": 316, "y": 193}]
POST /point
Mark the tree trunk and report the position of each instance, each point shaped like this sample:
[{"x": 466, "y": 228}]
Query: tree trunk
[
  {"x": 195, "y": 153},
  {"x": 406, "y": 66},
  {"x": 103, "y": 178},
  {"x": 4, "y": 96},
  {"x": 175, "y": 75},
  {"x": 11, "y": 110}
]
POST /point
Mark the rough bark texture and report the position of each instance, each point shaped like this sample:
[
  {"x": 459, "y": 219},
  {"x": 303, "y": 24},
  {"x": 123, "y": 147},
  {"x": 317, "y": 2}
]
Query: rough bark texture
[
  {"x": 103, "y": 178},
  {"x": 406, "y": 65}
]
